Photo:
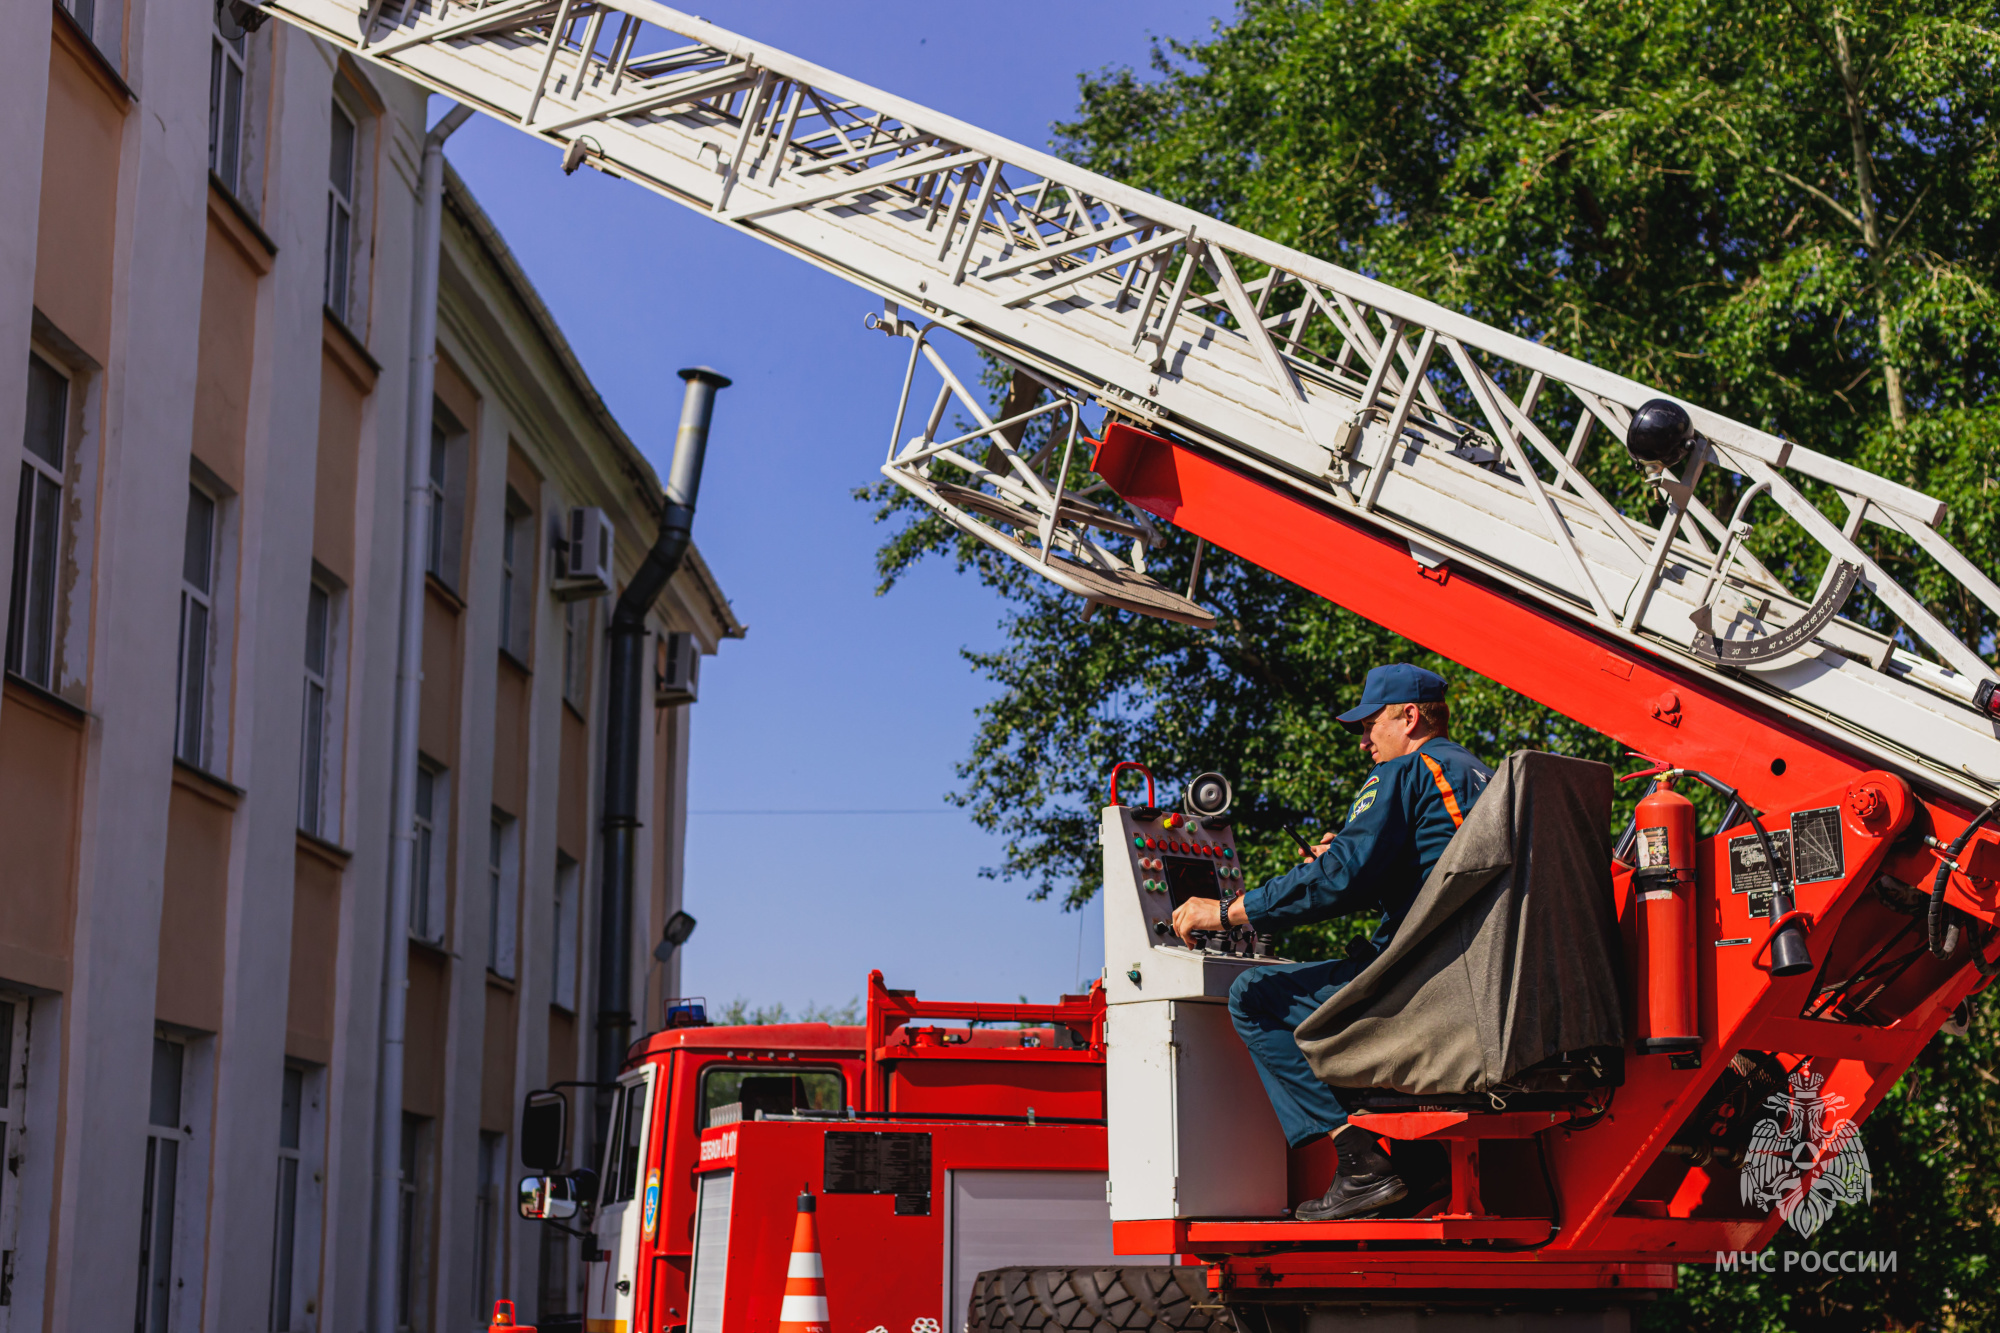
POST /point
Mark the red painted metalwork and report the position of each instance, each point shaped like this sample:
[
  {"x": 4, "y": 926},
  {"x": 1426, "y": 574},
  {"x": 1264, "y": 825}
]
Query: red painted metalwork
[
  {"x": 970, "y": 1072},
  {"x": 1623, "y": 1211},
  {"x": 981, "y": 1083},
  {"x": 883, "y": 1267},
  {"x": 1584, "y": 1198}
]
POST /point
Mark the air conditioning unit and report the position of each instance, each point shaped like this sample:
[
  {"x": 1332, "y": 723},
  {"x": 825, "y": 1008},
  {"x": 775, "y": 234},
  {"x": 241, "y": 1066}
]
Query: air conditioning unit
[
  {"x": 583, "y": 562},
  {"x": 677, "y": 670}
]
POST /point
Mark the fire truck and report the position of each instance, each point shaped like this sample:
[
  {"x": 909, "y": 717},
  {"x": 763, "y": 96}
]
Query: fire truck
[
  {"x": 1110, "y": 1161},
  {"x": 935, "y": 1138}
]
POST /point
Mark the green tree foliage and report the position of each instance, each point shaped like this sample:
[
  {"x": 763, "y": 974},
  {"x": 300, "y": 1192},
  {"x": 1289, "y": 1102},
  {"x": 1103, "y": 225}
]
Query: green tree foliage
[
  {"x": 740, "y": 1011},
  {"x": 1786, "y": 212}
]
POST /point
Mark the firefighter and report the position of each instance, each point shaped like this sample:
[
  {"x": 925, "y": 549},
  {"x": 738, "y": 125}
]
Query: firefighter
[{"x": 1407, "y": 809}]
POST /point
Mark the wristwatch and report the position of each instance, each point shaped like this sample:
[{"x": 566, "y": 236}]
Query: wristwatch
[{"x": 1228, "y": 897}]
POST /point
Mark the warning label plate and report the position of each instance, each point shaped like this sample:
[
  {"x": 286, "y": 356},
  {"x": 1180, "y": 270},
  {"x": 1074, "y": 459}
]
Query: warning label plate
[
  {"x": 1747, "y": 871},
  {"x": 1817, "y": 851}
]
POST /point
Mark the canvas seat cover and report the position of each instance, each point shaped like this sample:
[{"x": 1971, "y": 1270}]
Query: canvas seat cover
[{"x": 1510, "y": 953}]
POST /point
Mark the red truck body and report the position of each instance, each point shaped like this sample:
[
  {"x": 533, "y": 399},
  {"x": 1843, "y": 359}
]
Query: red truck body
[{"x": 895, "y": 1119}]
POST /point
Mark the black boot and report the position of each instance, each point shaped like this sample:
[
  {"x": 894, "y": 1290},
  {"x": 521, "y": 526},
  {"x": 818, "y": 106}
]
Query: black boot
[{"x": 1364, "y": 1183}]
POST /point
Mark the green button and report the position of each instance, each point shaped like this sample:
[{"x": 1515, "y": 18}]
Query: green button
[{"x": 1138, "y": 840}]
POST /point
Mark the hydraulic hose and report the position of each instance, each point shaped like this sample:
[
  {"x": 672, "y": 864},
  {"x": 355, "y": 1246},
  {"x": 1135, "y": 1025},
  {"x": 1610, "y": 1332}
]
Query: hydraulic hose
[{"x": 1934, "y": 918}]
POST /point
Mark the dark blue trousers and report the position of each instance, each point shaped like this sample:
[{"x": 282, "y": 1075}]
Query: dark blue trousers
[{"x": 1266, "y": 1003}]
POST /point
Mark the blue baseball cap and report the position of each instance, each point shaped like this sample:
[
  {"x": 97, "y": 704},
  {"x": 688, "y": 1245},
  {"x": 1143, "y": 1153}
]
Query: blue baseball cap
[{"x": 1397, "y": 683}]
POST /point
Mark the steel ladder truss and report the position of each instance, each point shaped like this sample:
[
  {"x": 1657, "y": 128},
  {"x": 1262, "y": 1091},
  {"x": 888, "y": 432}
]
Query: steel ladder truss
[
  {"x": 1365, "y": 444},
  {"x": 1384, "y": 406}
]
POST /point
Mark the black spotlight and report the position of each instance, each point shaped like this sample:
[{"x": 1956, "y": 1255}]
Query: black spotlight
[{"x": 1661, "y": 433}]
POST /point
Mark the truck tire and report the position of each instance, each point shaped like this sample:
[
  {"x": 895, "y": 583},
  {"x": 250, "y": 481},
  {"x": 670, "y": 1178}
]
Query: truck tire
[{"x": 1155, "y": 1298}]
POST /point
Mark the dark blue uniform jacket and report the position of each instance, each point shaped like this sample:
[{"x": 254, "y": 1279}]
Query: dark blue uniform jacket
[{"x": 1396, "y": 831}]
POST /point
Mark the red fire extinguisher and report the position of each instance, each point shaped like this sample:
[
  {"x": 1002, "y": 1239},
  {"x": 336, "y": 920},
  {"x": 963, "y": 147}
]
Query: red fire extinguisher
[{"x": 1665, "y": 883}]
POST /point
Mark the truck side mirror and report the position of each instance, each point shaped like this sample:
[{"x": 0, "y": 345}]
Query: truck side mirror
[
  {"x": 544, "y": 1131},
  {"x": 547, "y": 1198}
]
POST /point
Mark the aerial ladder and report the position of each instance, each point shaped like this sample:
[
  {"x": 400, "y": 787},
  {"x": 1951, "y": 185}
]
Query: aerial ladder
[{"x": 1423, "y": 469}]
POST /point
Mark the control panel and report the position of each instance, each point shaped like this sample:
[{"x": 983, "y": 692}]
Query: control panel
[
  {"x": 1177, "y": 857},
  {"x": 1155, "y": 859}
]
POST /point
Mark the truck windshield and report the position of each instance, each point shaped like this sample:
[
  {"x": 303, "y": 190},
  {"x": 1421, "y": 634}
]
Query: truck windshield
[{"x": 771, "y": 1089}]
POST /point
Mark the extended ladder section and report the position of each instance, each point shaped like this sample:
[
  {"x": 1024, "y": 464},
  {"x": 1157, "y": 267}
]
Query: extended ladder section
[{"x": 1462, "y": 442}]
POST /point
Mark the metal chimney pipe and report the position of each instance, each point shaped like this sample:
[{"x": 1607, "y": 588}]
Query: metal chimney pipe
[{"x": 623, "y": 716}]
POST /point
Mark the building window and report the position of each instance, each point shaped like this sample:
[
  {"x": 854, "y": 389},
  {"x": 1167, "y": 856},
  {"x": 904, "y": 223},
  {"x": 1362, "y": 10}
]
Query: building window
[
  {"x": 576, "y": 651},
  {"x": 312, "y": 749},
  {"x": 517, "y": 579},
  {"x": 428, "y": 873},
  {"x": 446, "y": 473},
  {"x": 503, "y": 893},
  {"x": 14, "y": 1029},
  {"x": 225, "y": 103},
  {"x": 440, "y": 447},
  {"x": 487, "y": 1262},
  {"x": 85, "y": 14},
  {"x": 31, "y": 611},
  {"x": 159, "y": 1197},
  {"x": 197, "y": 629},
  {"x": 562, "y": 936},
  {"x": 413, "y": 1225},
  {"x": 284, "y": 1231},
  {"x": 340, "y": 211}
]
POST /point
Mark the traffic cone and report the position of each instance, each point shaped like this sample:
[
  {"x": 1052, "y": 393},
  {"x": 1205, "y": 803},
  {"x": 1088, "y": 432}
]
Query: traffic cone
[{"x": 804, "y": 1310}]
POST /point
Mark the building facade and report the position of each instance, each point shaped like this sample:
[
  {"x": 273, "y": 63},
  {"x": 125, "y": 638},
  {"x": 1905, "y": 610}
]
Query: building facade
[{"x": 210, "y": 298}]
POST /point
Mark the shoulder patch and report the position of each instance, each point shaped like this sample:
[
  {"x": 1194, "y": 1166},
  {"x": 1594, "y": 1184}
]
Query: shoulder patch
[{"x": 1363, "y": 801}]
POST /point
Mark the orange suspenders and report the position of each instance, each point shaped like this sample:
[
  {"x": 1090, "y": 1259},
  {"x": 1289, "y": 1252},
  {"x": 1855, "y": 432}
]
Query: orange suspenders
[{"x": 1444, "y": 790}]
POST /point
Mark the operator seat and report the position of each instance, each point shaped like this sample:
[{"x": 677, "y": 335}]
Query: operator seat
[{"x": 1504, "y": 987}]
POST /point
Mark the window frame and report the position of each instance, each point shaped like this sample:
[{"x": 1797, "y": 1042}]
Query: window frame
[
  {"x": 702, "y": 1110},
  {"x": 160, "y": 1220},
  {"x": 445, "y": 481},
  {"x": 517, "y": 580},
  {"x": 317, "y": 764},
  {"x": 16, "y": 1031},
  {"x": 567, "y": 905},
  {"x": 503, "y": 894},
  {"x": 226, "y": 57},
  {"x": 193, "y": 707},
  {"x": 340, "y": 214},
  {"x": 413, "y": 1224},
  {"x": 579, "y": 616},
  {"x": 489, "y": 1230},
  {"x": 287, "y": 1297},
  {"x": 40, "y": 518},
  {"x": 430, "y": 857}
]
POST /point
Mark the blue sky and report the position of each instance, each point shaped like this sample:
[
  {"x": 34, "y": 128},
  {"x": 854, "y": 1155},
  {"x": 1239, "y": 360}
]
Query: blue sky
[{"x": 838, "y": 699}]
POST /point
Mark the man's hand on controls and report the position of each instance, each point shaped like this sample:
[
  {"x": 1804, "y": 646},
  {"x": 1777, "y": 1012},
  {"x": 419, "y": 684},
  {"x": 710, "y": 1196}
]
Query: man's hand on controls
[{"x": 1205, "y": 914}]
